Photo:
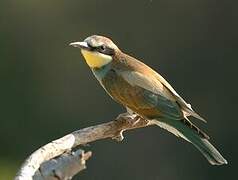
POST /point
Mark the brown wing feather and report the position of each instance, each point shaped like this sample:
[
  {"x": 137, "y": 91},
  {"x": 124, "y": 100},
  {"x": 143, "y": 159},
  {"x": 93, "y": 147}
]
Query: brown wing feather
[
  {"x": 134, "y": 64},
  {"x": 127, "y": 95}
]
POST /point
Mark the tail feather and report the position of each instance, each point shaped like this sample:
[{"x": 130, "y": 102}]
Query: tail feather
[
  {"x": 190, "y": 125},
  {"x": 179, "y": 128}
]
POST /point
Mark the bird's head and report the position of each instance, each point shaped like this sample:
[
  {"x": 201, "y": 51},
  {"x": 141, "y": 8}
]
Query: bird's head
[{"x": 97, "y": 50}]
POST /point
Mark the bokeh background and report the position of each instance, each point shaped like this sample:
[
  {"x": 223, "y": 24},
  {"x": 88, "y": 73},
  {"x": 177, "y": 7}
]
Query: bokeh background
[{"x": 48, "y": 91}]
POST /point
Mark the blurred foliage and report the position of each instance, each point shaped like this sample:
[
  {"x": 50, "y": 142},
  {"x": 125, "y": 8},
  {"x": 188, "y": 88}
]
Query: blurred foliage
[{"x": 48, "y": 91}]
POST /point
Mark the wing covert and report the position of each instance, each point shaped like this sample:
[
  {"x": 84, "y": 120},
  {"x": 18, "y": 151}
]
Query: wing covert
[{"x": 153, "y": 94}]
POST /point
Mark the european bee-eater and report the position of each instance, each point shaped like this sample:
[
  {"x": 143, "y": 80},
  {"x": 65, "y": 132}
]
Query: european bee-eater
[{"x": 142, "y": 90}]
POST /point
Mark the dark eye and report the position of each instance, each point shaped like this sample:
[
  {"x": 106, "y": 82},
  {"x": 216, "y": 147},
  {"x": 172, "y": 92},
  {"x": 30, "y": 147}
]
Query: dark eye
[
  {"x": 102, "y": 48},
  {"x": 105, "y": 50}
]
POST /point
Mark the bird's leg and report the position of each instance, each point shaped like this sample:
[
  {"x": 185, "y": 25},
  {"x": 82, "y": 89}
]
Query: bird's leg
[
  {"x": 133, "y": 116},
  {"x": 129, "y": 111},
  {"x": 130, "y": 116},
  {"x": 131, "y": 119},
  {"x": 121, "y": 117}
]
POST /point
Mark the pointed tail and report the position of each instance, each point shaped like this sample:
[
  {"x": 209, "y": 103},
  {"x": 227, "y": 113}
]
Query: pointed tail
[{"x": 192, "y": 134}]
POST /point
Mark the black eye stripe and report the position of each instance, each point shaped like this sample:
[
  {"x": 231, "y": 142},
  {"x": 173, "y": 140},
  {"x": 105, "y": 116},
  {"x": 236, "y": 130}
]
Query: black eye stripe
[
  {"x": 102, "y": 49},
  {"x": 105, "y": 50}
]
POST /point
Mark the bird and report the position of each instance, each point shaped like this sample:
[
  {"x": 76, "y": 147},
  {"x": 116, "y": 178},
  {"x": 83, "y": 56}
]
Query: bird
[{"x": 143, "y": 91}]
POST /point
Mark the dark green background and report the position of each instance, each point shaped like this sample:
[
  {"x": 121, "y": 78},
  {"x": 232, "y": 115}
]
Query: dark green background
[{"x": 48, "y": 91}]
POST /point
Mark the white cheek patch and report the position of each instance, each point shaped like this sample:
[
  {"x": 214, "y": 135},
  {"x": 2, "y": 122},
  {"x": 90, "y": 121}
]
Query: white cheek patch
[{"x": 96, "y": 59}]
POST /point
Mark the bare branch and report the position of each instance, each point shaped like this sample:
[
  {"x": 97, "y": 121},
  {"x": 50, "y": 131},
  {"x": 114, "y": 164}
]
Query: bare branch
[
  {"x": 112, "y": 129},
  {"x": 63, "y": 167}
]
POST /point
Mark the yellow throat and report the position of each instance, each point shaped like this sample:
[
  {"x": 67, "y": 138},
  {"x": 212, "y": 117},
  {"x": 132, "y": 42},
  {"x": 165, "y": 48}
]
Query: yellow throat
[{"x": 96, "y": 59}]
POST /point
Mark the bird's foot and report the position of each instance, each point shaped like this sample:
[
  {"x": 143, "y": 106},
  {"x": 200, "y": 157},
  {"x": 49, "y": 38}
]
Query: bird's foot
[
  {"x": 136, "y": 119},
  {"x": 125, "y": 116},
  {"x": 130, "y": 118}
]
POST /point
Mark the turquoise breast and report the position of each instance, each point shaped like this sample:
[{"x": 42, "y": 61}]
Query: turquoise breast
[{"x": 100, "y": 73}]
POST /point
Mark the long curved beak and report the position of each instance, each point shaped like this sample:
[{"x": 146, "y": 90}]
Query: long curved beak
[{"x": 82, "y": 45}]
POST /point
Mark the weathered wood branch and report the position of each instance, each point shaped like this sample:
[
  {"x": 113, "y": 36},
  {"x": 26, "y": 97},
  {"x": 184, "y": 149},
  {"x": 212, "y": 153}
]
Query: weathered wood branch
[
  {"x": 35, "y": 165},
  {"x": 63, "y": 167}
]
